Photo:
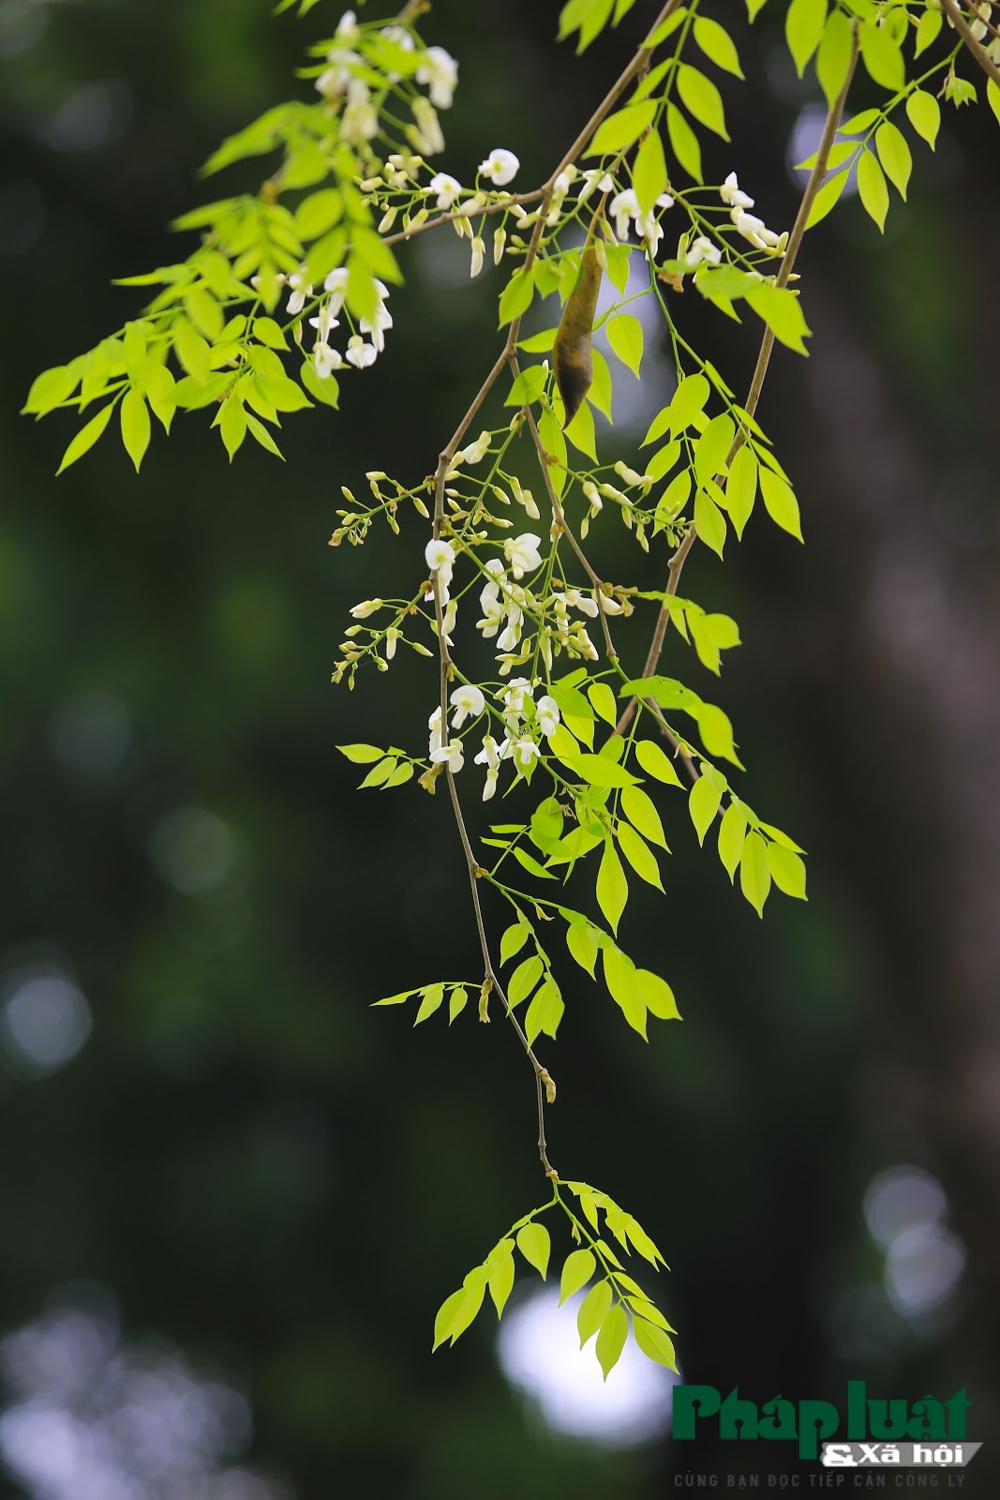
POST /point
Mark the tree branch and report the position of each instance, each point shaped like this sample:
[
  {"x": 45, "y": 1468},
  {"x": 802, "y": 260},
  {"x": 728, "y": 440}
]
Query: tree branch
[{"x": 979, "y": 52}]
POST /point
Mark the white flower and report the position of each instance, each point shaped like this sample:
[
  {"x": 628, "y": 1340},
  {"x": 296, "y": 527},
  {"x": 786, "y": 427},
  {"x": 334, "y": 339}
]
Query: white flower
[
  {"x": 499, "y": 240},
  {"x": 468, "y": 702},
  {"x": 513, "y": 698},
  {"x": 475, "y": 452},
  {"x": 593, "y": 180},
  {"x": 326, "y": 359},
  {"x": 702, "y": 252},
  {"x": 749, "y": 226},
  {"x": 376, "y": 326},
  {"x": 434, "y": 727},
  {"x": 478, "y": 255},
  {"x": 347, "y": 27},
  {"x": 730, "y": 192},
  {"x": 500, "y": 166},
  {"x": 547, "y": 716},
  {"x": 447, "y": 189},
  {"x": 522, "y": 553},
  {"x": 491, "y": 754},
  {"x": 428, "y": 126},
  {"x": 301, "y": 289},
  {"x": 336, "y": 285},
  {"x": 360, "y": 354},
  {"x": 579, "y": 601},
  {"x": 526, "y": 752},
  {"x": 365, "y": 608},
  {"x": 512, "y": 634},
  {"x": 324, "y": 322},
  {"x": 623, "y": 207},
  {"x": 440, "y": 557},
  {"x": 359, "y": 122},
  {"x": 440, "y": 70},
  {"x": 450, "y": 754},
  {"x": 337, "y": 77},
  {"x": 392, "y": 635},
  {"x": 490, "y": 785}
]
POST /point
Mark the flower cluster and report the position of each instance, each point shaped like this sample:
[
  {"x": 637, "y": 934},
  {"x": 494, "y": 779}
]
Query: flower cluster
[
  {"x": 524, "y": 721},
  {"x": 624, "y": 208},
  {"x": 360, "y": 353},
  {"x": 749, "y": 225}
]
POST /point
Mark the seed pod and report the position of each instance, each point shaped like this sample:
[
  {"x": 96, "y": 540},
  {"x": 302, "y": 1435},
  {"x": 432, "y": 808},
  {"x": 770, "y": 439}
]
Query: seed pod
[{"x": 572, "y": 354}]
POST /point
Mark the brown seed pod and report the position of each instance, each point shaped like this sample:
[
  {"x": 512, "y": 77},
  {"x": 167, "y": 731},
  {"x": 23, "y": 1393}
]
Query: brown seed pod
[{"x": 572, "y": 354}]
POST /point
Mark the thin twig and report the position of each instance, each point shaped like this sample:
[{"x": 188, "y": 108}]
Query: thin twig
[{"x": 964, "y": 30}]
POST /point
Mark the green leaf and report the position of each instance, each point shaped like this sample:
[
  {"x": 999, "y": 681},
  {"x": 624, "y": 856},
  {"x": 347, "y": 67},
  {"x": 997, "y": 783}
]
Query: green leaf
[
  {"x": 578, "y": 1267},
  {"x": 593, "y": 1310},
  {"x": 710, "y": 521},
  {"x": 604, "y": 702},
  {"x": 545, "y": 1011},
  {"x": 612, "y": 887},
  {"x": 688, "y": 402},
  {"x": 656, "y": 763},
  {"x": 894, "y": 154},
  {"x": 380, "y": 774},
  {"x": 431, "y": 997},
  {"x": 457, "y": 1003},
  {"x": 639, "y": 855},
  {"x": 993, "y": 97},
  {"x": 684, "y": 143},
  {"x": 702, "y": 99},
  {"x": 135, "y": 426},
  {"x": 804, "y": 25},
  {"x": 654, "y": 1343},
  {"x": 712, "y": 448},
  {"x": 599, "y": 770},
  {"x": 267, "y": 332},
  {"x": 467, "y": 1310},
  {"x": 717, "y": 45},
  {"x": 782, "y": 506},
  {"x": 657, "y": 995},
  {"x": 513, "y": 940},
  {"x": 318, "y": 213},
  {"x": 781, "y": 838},
  {"x": 755, "y": 877},
  {"x": 611, "y": 1339},
  {"x": 581, "y": 940},
  {"x": 732, "y": 832},
  {"x": 781, "y": 310},
  {"x": 741, "y": 488},
  {"x": 717, "y": 732},
  {"x": 50, "y": 389},
  {"x": 881, "y": 56},
  {"x": 641, "y": 813},
  {"x": 501, "y": 1282},
  {"x": 928, "y": 28},
  {"x": 531, "y": 865},
  {"x": 361, "y": 754},
  {"x": 922, "y": 109},
  {"x": 703, "y": 804},
  {"x": 232, "y": 423},
  {"x": 86, "y": 437},
  {"x": 446, "y": 1317},
  {"x": 528, "y": 386},
  {"x": 788, "y": 871},
  {"x": 623, "y": 986},
  {"x": 523, "y": 980},
  {"x": 191, "y": 348},
  {"x": 622, "y": 129},
  {"x": 534, "y": 1244},
  {"x": 649, "y": 171},
  {"x": 827, "y": 197},
  {"x": 833, "y": 61},
  {"x": 625, "y": 337}
]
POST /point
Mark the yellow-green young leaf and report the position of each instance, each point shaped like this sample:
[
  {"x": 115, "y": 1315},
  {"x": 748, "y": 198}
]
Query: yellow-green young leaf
[
  {"x": 755, "y": 877},
  {"x": 710, "y": 521},
  {"x": 788, "y": 871},
  {"x": 782, "y": 312},
  {"x": 687, "y": 403},
  {"x": 611, "y": 1339},
  {"x": 922, "y": 109},
  {"x": 655, "y": 762},
  {"x": 49, "y": 390},
  {"x": 513, "y": 940},
  {"x": 545, "y": 1011},
  {"x": 603, "y": 701},
  {"x": 600, "y": 391},
  {"x": 927, "y": 30},
  {"x": 782, "y": 506},
  {"x": 534, "y": 1244},
  {"x": 754, "y": 7},
  {"x": 232, "y": 423},
  {"x": 524, "y": 978},
  {"x": 641, "y": 813},
  {"x": 881, "y": 56},
  {"x": 204, "y": 312},
  {"x": 380, "y": 774},
  {"x": 515, "y": 299},
  {"x": 581, "y": 940},
  {"x": 501, "y": 1283},
  {"x": 827, "y": 197},
  {"x": 894, "y": 154},
  {"x": 528, "y": 386},
  {"x": 833, "y": 60},
  {"x": 467, "y": 1310},
  {"x": 457, "y": 1003},
  {"x": 594, "y": 1308},
  {"x": 581, "y": 432},
  {"x": 599, "y": 770},
  {"x": 86, "y": 437},
  {"x": 654, "y": 1343},
  {"x": 673, "y": 500},
  {"x": 717, "y": 45},
  {"x": 267, "y": 332},
  {"x": 261, "y": 435},
  {"x": 657, "y": 995},
  {"x": 741, "y": 488},
  {"x": 192, "y": 350},
  {"x": 781, "y": 838},
  {"x": 684, "y": 143},
  {"x": 318, "y": 213},
  {"x": 717, "y": 733},
  {"x": 712, "y": 447},
  {"x": 663, "y": 461},
  {"x": 431, "y": 998},
  {"x": 135, "y": 426},
  {"x": 702, "y": 99},
  {"x": 578, "y": 1268},
  {"x": 732, "y": 832},
  {"x": 612, "y": 887},
  {"x": 402, "y": 774},
  {"x": 703, "y": 804},
  {"x": 621, "y": 129},
  {"x": 639, "y": 855},
  {"x": 446, "y": 1317},
  {"x": 625, "y": 337},
  {"x": 649, "y": 171},
  {"x": 361, "y": 754},
  {"x": 993, "y": 96},
  {"x": 804, "y": 25}
]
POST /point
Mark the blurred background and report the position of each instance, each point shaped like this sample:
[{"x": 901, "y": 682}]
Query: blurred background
[{"x": 233, "y": 1196}]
